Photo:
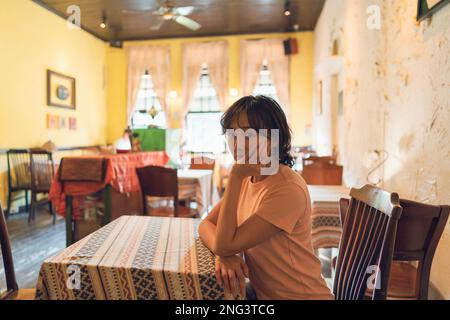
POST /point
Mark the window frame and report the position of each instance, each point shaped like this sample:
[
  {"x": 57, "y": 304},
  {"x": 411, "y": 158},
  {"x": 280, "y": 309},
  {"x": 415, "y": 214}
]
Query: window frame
[
  {"x": 204, "y": 72},
  {"x": 152, "y": 98}
]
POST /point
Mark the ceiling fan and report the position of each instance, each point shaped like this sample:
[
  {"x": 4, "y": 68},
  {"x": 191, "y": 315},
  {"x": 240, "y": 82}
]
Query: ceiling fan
[{"x": 169, "y": 11}]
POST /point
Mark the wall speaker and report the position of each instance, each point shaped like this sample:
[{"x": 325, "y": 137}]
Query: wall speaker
[
  {"x": 116, "y": 44},
  {"x": 290, "y": 46}
]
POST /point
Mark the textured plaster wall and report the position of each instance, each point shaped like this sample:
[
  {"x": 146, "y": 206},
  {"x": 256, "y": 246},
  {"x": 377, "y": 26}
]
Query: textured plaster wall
[{"x": 396, "y": 84}]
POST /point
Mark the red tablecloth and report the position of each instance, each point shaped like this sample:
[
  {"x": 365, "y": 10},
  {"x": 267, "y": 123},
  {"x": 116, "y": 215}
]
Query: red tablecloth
[{"x": 120, "y": 174}]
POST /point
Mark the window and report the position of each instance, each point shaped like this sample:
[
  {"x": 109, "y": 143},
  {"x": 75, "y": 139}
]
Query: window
[
  {"x": 148, "y": 108},
  {"x": 204, "y": 133},
  {"x": 265, "y": 86}
]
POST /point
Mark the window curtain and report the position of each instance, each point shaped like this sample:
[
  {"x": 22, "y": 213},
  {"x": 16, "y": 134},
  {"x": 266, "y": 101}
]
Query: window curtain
[
  {"x": 253, "y": 54},
  {"x": 215, "y": 55},
  {"x": 155, "y": 59}
]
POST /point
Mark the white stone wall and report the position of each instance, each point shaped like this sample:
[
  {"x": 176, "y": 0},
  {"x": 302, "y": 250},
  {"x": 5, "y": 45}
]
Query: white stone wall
[{"x": 396, "y": 84}]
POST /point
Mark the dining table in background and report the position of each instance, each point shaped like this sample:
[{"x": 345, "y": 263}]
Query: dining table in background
[
  {"x": 198, "y": 184},
  {"x": 326, "y": 227},
  {"x": 90, "y": 191},
  {"x": 136, "y": 258}
]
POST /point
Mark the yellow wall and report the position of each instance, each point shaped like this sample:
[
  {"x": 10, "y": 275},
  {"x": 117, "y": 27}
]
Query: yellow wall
[
  {"x": 33, "y": 40},
  {"x": 300, "y": 113}
]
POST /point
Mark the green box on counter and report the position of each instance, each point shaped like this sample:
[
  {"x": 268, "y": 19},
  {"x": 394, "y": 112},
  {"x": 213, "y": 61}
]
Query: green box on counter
[{"x": 152, "y": 139}]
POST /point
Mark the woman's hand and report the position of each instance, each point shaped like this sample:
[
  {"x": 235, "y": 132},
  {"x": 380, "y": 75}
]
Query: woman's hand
[
  {"x": 245, "y": 170},
  {"x": 231, "y": 273}
]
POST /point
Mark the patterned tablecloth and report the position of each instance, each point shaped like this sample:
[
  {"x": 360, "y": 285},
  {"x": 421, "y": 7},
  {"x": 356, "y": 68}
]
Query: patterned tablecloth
[
  {"x": 136, "y": 258},
  {"x": 326, "y": 223},
  {"x": 120, "y": 174}
]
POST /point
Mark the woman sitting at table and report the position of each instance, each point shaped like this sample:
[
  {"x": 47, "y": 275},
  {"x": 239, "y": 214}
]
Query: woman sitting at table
[{"x": 265, "y": 213}]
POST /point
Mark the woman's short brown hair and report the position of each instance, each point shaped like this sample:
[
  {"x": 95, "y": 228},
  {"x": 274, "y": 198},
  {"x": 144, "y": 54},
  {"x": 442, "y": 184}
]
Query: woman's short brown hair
[{"x": 263, "y": 113}]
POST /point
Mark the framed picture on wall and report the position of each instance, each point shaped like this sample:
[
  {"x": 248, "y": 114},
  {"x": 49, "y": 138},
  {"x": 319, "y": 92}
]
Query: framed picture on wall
[
  {"x": 61, "y": 90},
  {"x": 426, "y": 8},
  {"x": 72, "y": 123},
  {"x": 52, "y": 122}
]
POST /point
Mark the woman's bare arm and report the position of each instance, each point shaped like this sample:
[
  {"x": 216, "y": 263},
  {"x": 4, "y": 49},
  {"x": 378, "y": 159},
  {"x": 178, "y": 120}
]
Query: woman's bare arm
[
  {"x": 207, "y": 228},
  {"x": 230, "y": 238}
]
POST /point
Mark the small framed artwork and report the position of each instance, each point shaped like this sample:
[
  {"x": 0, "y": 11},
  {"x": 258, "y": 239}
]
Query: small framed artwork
[
  {"x": 61, "y": 90},
  {"x": 426, "y": 8},
  {"x": 72, "y": 123},
  {"x": 62, "y": 123},
  {"x": 52, "y": 122}
]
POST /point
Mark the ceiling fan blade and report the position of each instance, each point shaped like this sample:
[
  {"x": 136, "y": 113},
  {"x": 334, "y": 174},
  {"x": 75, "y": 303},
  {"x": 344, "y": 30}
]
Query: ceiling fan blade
[
  {"x": 157, "y": 25},
  {"x": 188, "y": 23},
  {"x": 185, "y": 11}
]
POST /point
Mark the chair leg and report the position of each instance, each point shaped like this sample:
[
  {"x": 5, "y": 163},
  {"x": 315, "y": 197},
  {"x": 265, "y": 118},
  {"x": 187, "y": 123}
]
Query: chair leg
[
  {"x": 52, "y": 211},
  {"x": 27, "y": 205},
  {"x": 31, "y": 212},
  {"x": 8, "y": 210}
]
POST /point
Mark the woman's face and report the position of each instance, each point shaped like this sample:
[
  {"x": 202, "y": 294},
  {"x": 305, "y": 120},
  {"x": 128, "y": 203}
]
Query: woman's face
[{"x": 248, "y": 148}]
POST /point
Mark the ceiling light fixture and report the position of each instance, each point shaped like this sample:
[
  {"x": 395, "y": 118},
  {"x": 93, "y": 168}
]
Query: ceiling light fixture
[
  {"x": 103, "y": 24},
  {"x": 287, "y": 10}
]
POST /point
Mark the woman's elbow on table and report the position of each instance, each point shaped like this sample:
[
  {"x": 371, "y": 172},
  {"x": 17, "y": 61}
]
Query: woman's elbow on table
[{"x": 201, "y": 230}]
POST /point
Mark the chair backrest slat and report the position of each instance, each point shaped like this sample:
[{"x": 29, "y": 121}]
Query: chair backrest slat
[
  {"x": 378, "y": 223},
  {"x": 42, "y": 170},
  {"x": 367, "y": 243},
  {"x": 361, "y": 260},
  {"x": 19, "y": 176}
]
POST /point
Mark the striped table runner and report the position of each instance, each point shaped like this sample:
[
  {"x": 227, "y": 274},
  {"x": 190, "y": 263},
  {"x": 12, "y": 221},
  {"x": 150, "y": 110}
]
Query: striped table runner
[
  {"x": 326, "y": 227},
  {"x": 138, "y": 258}
]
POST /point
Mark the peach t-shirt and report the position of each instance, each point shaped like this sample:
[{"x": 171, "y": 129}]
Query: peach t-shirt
[{"x": 283, "y": 267}]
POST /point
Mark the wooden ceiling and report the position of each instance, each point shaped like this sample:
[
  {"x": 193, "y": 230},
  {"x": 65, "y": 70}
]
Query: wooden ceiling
[{"x": 217, "y": 17}]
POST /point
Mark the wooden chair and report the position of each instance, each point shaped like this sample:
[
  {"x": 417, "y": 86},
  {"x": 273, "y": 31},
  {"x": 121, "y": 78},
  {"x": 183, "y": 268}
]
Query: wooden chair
[
  {"x": 419, "y": 231},
  {"x": 42, "y": 173},
  {"x": 12, "y": 289},
  {"x": 90, "y": 170},
  {"x": 19, "y": 178},
  {"x": 367, "y": 243},
  {"x": 163, "y": 183},
  {"x": 322, "y": 171}
]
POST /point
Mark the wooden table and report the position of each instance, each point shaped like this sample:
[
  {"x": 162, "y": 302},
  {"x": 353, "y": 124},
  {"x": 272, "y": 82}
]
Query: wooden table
[
  {"x": 91, "y": 191},
  {"x": 138, "y": 258},
  {"x": 325, "y": 219}
]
